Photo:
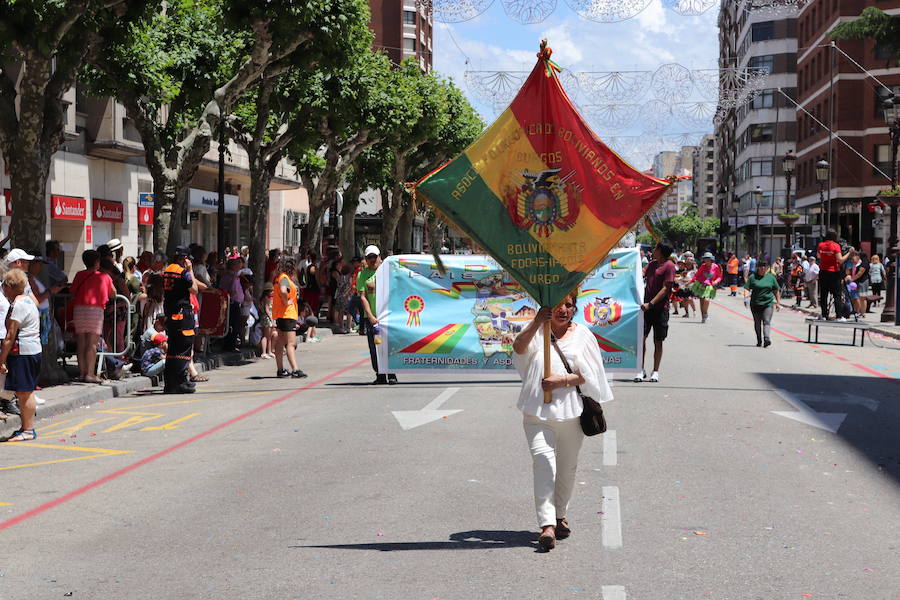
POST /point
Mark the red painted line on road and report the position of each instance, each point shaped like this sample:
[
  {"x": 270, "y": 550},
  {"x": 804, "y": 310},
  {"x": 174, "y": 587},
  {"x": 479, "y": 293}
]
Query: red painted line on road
[
  {"x": 116, "y": 474},
  {"x": 893, "y": 380}
]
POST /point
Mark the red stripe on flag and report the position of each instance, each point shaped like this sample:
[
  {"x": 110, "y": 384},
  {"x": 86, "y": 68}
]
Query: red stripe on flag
[
  {"x": 416, "y": 346},
  {"x": 616, "y": 193}
]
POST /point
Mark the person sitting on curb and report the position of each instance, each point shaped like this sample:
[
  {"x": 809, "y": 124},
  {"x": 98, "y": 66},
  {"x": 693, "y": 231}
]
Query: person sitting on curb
[
  {"x": 153, "y": 360},
  {"x": 306, "y": 325}
]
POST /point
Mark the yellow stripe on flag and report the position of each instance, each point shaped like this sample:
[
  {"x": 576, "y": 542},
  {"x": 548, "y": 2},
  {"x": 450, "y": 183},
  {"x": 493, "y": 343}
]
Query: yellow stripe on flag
[{"x": 437, "y": 342}]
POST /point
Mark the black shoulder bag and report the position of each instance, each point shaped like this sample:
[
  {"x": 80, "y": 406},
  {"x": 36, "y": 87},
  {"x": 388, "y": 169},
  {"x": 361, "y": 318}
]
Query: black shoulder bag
[{"x": 592, "y": 419}]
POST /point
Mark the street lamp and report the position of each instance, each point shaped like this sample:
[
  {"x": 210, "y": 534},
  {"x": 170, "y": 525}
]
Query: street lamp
[
  {"x": 822, "y": 176},
  {"x": 891, "y": 107},
  {"x": 787, "y": 165},
  {"x": 757, "y": 199}
]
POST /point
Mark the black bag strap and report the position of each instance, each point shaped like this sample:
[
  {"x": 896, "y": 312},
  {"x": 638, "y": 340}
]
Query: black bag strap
[{"x": 565, "y": 362}]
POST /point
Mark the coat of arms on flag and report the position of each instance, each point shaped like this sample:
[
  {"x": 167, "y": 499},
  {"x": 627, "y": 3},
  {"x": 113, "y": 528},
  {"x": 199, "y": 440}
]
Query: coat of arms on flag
[{"x": 540, "y": 192}]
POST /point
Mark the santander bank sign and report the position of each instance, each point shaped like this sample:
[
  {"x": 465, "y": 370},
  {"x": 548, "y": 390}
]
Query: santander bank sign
[
  {"x": 68, "y": 207},
  {"x": 107, "y": 210}
]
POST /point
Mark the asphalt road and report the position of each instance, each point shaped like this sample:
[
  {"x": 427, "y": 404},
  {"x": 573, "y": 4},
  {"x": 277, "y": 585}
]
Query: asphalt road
[{"x": 258, "y": 488}]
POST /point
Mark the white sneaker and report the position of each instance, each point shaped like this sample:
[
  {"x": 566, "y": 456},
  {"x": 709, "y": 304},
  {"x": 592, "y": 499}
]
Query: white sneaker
[
  {"x": 654, "y": 377},
  {"x": 841, "y": 320},
  {"x": 38, "y": 400},
  {"x": 266, "y": 356},
  {"x": 313, "y": 340},
  {"x": 639, "y": 378},
  {"x": 703, "y": 320}
]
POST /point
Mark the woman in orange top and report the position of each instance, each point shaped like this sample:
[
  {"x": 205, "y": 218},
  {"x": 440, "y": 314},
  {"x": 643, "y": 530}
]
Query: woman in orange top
[
  {"x": 733, "y": 266},
  {"x": 284, "y": 311}
]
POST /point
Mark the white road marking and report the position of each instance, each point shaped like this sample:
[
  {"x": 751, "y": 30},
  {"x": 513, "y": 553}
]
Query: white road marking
[
  {"x": 442, "y": 397},
  {"x": 410, "y": 419},
  {"x": 808, "y": 415},
  {"x": 613, "y": 592},
  {"x": 610, "y": 449},
  {"x": 611, "y": 520}
]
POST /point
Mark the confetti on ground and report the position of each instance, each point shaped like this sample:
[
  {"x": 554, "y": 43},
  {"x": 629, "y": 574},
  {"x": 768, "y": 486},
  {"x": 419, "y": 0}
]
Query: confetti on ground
[
  {"x": 380, "y": 534},
  {"x": 61, "y": 440},
  {"x": 867, "y": 570},
  {"x": 701, "y": 533},
  {"x": 799, "y": 451},
  {"x": 93, "y": 435}
]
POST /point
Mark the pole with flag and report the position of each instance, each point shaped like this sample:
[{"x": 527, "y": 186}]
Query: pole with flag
[{"x": 540, "y": 192}]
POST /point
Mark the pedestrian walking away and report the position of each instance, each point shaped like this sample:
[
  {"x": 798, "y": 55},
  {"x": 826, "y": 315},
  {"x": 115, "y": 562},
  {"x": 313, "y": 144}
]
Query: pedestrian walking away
[
  {"x": 765, "y": 296},
  {"x": 178, "y": 283},
  {"x": 553, "y": 429},
  {"x": 830, "y": 275},
  {"x": 660, "y": 279},
  {"x": 707, "y": 277},
  {"x": 365, "y": 286}
]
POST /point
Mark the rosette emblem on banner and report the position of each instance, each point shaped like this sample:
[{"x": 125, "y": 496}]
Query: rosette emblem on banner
[{"x": 540, "y": 192}]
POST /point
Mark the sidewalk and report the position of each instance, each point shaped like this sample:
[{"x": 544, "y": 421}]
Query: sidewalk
[
  {"x": 873, "y": 318},
  {"x": 64, "y": 398}
]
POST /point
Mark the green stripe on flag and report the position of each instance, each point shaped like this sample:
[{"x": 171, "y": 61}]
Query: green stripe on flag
[
  {"x": 448, "y": 346},
  {"x": 461, "y": 194}
]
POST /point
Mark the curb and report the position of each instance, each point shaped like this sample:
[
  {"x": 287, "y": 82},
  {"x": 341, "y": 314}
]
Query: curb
[
  {"x": 80, "y": 396},
  {"x": 877, "y": 328}
]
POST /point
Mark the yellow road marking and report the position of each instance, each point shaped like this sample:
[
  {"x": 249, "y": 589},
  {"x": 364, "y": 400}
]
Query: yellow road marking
[
  {"x": 134, "y": 420},
  {"x": 74, "y": 428},
  {"x": 89, "y": 453},
  {"x": 51, "y": 425},
  {"x": 171, "y": 424},
  {"x": 5, "y": 503}
]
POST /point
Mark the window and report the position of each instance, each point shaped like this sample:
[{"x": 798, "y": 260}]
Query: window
[
  {"x": 761, "y": 167},
  {"x": 409, "y": 17},
  {"x": 762, "y": 31},
  {"x": 761, "y": 132},
  {"x": 765, "y": 99},
  {"x": 409, "y": 44},
  {"x": 882, "y": 159},
  {"x": 766, "y": 64}
]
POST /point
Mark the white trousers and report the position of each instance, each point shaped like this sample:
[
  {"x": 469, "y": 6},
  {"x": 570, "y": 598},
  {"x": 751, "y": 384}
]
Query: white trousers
[{"x": 554, "y": 449}]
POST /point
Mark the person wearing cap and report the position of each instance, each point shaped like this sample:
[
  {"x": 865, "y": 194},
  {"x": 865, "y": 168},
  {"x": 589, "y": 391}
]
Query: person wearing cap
[
  {"x": 178, "y": 284},
  {"x": 118, "y": 249},
  {"x": 707, "y": 277},
  {"x": 365, "y": 286},
  {"x": 153, "y": 361},
  {"x": 91, "y": 290}
]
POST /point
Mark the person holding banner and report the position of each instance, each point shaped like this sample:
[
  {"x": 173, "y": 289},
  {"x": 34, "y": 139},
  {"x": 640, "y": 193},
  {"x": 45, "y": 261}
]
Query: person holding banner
[
  {"x": 553, "y": 429},
  {"x": 365, "y": 285}
]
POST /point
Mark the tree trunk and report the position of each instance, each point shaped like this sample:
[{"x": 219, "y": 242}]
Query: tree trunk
[
  {"x": 28, "y": 174},
  {"x": 164, "y": 192},
  {"x": 314, "y": 227},
  {"x": 348, "y": 220},
  {"x": 405, "y": 230},
  {"x": 391, "y": 219},
  {"x": 260, "y": 178}
]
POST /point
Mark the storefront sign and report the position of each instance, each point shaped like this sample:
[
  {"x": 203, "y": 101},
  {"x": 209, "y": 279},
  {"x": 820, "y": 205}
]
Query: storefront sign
[
  {"x": 88, "y": 234},
  {"x": 7, "y": 202},
  {"x": 68, "y": 207},
  {"x": 108, "y": 210},
  {"x": 145, "y": 199},
  {"x": 207, "y": 201}
]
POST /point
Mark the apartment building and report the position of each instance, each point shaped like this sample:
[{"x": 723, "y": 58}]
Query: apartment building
[
  {"x": 403, "y": 29},
  {"x": 752, "y": 137},
  {"x": 679, "y": 196},
  {"x": 704, "y": 190},
  {"x": 845, "y": 99}
]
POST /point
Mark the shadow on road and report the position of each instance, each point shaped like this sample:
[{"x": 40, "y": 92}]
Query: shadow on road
[
  {"x": 872, "y": 406},
  {"x": 464, "y": 540}
]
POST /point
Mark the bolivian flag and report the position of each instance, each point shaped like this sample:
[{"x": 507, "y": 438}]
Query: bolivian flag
[{"x": 540, "y": 192}]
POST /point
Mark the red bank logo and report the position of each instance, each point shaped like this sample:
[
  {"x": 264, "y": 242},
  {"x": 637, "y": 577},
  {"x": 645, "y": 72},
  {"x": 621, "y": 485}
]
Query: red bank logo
[{"x": 69, "y": 207}]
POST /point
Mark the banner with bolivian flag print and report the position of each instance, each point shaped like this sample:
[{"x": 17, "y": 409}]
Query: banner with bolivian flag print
[
  {"x": 467, "y": 316},
  {"x": 540, "y": 192}
]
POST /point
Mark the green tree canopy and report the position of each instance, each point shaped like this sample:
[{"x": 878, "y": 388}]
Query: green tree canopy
[{"x": 872, "y": 23}]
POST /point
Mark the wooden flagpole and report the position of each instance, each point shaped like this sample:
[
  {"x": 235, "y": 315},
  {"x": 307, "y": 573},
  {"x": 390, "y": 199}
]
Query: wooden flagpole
[{"x": 547, "y": 395}]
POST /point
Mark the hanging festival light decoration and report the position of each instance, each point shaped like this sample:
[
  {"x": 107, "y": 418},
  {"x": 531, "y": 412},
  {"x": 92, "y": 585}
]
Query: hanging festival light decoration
[
  {"x": 454, "y": 11},
  {"x": 613, "y": 118},
  {"x": 614, "y": 86},
  {"x": 528, "y": 12},
  {"x": 608, "y": 11},
  {"x": 694, "y": 115},
  {"x": 690, "y": 8},
  {"x": 495, "y": 86},
  {"x": 672, "y": 81}
]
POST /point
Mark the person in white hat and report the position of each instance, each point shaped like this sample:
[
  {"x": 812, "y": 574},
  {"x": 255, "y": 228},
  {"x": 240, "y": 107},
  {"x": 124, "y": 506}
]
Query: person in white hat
[
  {"x": 19, "y": 259},
  {"x": 365, "y": 286},
  {"x": 118, "y": 249}
]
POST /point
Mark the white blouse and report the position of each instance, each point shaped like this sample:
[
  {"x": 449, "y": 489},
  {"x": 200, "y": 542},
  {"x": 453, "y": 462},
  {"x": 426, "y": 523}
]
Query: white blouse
[{"x": 583, "y": 354}]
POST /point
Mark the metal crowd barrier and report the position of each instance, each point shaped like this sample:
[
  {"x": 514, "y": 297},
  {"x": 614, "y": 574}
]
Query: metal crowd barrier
[{"x": 58, "y": 301}]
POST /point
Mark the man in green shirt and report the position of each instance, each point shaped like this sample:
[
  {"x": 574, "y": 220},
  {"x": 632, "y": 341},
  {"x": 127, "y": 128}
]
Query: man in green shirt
[
  {"x": 765, "y": 295},
  {"x": 365, "y": 286}
]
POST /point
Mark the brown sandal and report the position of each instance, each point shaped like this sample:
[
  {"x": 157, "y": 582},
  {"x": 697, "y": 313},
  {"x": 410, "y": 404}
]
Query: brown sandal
[
  {"x": 562, "y": 529},
  {"x": 547, "y": 539}
]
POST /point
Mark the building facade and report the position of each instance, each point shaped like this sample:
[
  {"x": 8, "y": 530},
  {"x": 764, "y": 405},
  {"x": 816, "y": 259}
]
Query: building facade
[
  {"x": 679, "y": 196},
  {"x": 403, "y": 29},
  {"x": 99, "y": 189},
  {"x": 752, "y": 137},
  {"x": 836, "y": 94},
  {"x": 704, "y": 172}
]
